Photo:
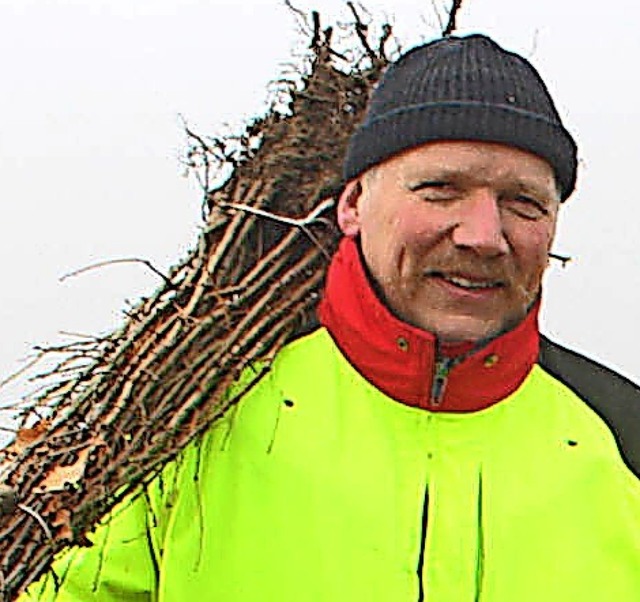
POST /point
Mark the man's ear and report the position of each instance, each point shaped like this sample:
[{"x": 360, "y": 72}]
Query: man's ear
[{"x": 348, "y": 208}]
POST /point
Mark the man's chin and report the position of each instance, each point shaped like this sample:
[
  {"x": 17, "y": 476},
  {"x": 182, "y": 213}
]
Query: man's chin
[
  {"x": 464, "y": 329},
  {"x": 470, "y": 329}
]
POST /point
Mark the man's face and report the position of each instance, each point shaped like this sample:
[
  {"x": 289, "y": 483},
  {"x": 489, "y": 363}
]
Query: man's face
[{"x": 456, "y": 234}]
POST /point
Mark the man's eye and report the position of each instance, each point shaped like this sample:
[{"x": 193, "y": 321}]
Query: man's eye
[
  {"x": 435, "y": 190},
  {"x": 527, "y": 207}
]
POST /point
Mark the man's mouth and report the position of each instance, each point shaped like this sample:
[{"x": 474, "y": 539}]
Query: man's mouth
[{"x": 468, "y": 282}]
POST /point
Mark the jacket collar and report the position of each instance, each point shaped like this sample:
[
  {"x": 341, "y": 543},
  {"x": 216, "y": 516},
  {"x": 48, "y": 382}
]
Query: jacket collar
[{"x": 401, "y": 360}]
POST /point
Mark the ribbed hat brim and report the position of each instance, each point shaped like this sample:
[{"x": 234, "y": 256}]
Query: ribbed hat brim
[{"x": 414, "y": 125}]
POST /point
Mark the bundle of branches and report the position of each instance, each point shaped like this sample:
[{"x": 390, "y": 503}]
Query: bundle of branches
[{"x": 124, "y": 405}]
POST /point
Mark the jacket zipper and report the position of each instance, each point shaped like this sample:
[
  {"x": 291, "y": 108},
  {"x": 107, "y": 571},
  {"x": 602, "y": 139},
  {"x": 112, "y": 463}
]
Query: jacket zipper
[{"x": 441, "y": 375}]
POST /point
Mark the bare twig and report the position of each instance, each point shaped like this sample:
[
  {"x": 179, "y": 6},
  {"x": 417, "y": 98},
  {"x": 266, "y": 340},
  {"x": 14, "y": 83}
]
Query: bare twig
[
  {"x": 90, "y": 338},
  {"x": 361, "y": 29},
  {"x": 21, "y": 371},
  {"x": 453, "y": 13},
  {"x": 363, "y": 9},
  {"x": 289, "y": 221},
  {"x": 31, "y": 512},
  {"x": 315, "y": 39},
  {"x": 206, "y": 152},
  {"x": 563, "y": 259},
  {"x": 301, "y": 17},
  {"x": 436, "y": 12},
  {"x": 387, "y": 30},
  {"x": 102, "y": 264},
  {"x": 302, "y": 223}
]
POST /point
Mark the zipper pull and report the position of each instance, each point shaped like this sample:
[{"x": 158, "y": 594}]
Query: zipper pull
[{"x": 443, "y": 367}]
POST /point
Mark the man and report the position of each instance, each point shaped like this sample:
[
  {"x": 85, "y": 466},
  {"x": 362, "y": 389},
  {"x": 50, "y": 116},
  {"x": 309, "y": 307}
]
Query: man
[{"x": 424, "y": 443}]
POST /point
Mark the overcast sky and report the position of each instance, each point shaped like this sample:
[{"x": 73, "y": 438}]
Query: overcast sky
[{"x": 91, "y": 142}]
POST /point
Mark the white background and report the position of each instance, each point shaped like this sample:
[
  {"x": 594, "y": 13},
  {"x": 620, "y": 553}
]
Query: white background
[{"x": 91, "y": 142}]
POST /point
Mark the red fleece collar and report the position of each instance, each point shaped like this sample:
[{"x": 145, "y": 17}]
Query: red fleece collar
[{"x": 400, "y": 359}]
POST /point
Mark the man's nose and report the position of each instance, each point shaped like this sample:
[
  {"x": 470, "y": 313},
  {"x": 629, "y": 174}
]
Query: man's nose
[{"x": 480, "y": 226}]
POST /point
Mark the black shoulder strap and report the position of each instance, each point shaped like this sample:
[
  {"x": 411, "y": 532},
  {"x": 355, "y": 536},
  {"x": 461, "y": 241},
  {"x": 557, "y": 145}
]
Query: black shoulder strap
[{"x": 614, "y": 398}]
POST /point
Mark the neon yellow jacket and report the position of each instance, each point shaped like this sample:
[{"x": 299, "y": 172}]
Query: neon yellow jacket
[{"x": 320, "y": 487}]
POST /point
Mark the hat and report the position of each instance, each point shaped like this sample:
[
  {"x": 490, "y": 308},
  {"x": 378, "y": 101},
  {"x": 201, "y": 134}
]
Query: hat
[{"x": 462, "y": 88}]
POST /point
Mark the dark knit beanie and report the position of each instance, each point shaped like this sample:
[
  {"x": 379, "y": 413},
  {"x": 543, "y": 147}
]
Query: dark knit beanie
[{"x": 462, "y": 88}]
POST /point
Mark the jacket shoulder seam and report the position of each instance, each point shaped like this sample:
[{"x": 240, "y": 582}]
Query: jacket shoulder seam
[{"x": 613, "y": 397}]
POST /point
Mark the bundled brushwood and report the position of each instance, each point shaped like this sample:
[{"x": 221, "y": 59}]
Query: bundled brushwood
[
  {"x": 124, "y": 405},
  {"x": 118, "y": 408}
]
